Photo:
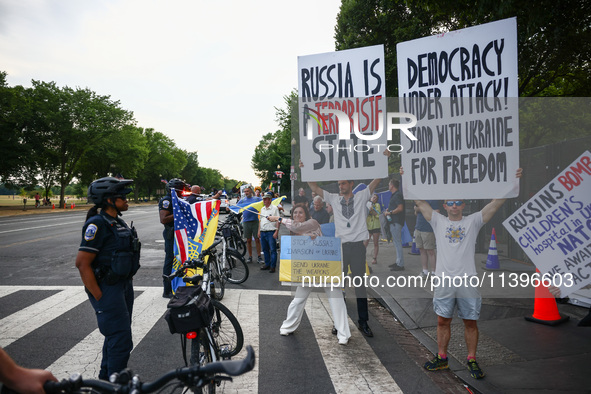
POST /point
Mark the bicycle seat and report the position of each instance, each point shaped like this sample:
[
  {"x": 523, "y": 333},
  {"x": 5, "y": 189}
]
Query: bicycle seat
[{"x": 193, "y": 279}]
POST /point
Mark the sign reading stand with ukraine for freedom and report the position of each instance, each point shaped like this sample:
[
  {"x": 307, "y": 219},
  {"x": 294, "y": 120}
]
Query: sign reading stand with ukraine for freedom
[
  {"x": 554, "y": 228},
  {"x": 350, "y": 146},
  {"x": 310, "y": 262},
  {"x": 462, "y": 87}
]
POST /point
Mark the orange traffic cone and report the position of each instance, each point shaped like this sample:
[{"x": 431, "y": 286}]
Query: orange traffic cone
[
  {"x": 71, "y": 206},
  {"x": 492, "y": 261},
  {"x": 52, "y": 206},
  {"x": 545, "y": 308}
]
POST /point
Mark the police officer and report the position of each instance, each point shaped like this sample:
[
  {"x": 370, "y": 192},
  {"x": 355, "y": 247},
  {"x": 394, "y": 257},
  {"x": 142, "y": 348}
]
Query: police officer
[
  {"x": 107, "y": 259},
  {"x": 167, "y": 219}
]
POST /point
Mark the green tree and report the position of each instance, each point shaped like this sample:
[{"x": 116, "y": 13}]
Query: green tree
[
  {"x": 123, "y": 153},
  {"x": 554, "y": 36},
  {"x": 65, "y": 125},
  {"x": 209, "y": 179},
  {"x": 190, "y": 173},
  {"x": 164, "y": 161},
  {"x": 554, "y": 42},
  {"x": 14, "y": 150},
  {"x": 273, "y": 153}
]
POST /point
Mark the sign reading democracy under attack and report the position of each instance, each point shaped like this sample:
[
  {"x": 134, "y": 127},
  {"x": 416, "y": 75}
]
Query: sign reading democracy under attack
[{"x": 462, "y": 88}]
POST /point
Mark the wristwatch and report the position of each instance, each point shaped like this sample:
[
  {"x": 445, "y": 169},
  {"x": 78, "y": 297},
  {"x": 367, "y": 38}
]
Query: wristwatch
[{"x": 279, "y": 220}]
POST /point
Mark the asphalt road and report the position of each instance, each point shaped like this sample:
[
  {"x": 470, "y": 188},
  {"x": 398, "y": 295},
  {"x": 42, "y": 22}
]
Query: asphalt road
[{"x": 39, "y": 250}]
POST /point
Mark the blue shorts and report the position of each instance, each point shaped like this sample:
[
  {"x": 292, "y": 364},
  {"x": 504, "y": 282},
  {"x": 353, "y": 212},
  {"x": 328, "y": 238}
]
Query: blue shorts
[{"x": 466, "y": 297}]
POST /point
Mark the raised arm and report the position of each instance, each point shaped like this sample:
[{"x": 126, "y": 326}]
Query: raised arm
[
  {"x": 373, "y": 184},
  {"x": 492, "y": 207},
  {"x": 425, "y": 208},
  {"x": 316, "y": 189}
]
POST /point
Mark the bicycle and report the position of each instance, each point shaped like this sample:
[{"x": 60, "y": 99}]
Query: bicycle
[
  {"x": 234, "y": 235},
  {"x": 226, "y": 266},
  {"x": 231, "y": 263},
  {"x": 194, "y": 378},
  {"x": 223, "y": 337}
]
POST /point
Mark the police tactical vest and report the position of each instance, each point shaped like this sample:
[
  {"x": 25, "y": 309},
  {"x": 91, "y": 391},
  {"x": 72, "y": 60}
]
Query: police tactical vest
[{"x": 124, "y": 261}]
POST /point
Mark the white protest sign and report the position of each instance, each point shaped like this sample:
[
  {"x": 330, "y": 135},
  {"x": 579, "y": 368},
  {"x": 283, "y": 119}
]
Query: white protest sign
[
  {"x": 351, "y": 81},
  {"x": 554, "y": 227},
  {"x": 462, "y": 88}
]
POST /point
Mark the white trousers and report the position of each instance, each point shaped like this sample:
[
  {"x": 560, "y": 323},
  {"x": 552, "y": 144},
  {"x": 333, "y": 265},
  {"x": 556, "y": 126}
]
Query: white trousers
[{"x": 337, "y": 306}]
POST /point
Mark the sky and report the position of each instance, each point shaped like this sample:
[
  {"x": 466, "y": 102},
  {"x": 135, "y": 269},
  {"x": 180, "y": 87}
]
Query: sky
[{"x": 208, "y": 74}]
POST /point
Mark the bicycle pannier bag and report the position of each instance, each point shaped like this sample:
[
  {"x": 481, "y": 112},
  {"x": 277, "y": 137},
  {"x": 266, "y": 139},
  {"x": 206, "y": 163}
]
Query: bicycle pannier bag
[{"x": 188, "y": 310}]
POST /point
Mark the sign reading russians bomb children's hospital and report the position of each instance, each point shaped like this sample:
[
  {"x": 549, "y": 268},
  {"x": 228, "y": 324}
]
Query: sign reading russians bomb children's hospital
[
  {"x": 554, "y": 228},
  {"x": 351, "y": 81},
  {"x": 462, "y": 88}
]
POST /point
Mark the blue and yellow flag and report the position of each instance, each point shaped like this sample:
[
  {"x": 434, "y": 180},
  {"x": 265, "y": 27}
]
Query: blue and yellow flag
[
  {"x": 195, "y": 226},
  {"x": 255, "y": 206}
]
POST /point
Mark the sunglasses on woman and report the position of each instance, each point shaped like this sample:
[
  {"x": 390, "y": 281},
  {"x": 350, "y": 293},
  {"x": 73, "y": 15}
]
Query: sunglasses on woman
[{"x": 452, "y": 203}]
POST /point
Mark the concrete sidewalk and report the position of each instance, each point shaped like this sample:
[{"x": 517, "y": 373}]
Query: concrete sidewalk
[{"x": 516, "y": 355}]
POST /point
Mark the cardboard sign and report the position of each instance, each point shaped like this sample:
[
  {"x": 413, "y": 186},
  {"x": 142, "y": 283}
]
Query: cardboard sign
[
  {"x": 554, "y": 227},
  {"x": 462, "y": 87},
  {"x": 352, "y": 82},
  {"x": 308, "y": 261}
]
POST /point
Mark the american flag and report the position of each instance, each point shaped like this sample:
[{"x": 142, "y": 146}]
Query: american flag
[{"x": 191, "y": 224}]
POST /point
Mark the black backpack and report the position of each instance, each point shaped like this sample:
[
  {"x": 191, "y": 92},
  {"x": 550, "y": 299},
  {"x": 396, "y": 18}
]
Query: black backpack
[{"x": 188, "y": 310}]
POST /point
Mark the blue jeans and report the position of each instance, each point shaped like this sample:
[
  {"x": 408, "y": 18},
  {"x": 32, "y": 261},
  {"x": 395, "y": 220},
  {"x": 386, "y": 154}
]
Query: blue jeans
[
  {"x": 396, "y": 230},
  {"x": 269, "y": 246},
  {"x": 113, "y": 315},
  {"x": 168, "y": 257}
]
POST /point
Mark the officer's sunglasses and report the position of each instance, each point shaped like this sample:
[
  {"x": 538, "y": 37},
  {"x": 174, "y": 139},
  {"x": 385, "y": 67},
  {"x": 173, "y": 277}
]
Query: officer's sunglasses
[
  {"x": 451, "y": 203},
  {"x": 123, "y": 197}
]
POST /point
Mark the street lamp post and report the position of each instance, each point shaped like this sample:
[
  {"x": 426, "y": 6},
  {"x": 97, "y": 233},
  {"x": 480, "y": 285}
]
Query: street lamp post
[{"x": 278, "y": 179}]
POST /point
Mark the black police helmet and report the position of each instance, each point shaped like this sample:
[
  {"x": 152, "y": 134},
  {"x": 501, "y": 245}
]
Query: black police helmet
[
  {"x": 176, "y": 184},
  {"x": 103, "y": 188}
]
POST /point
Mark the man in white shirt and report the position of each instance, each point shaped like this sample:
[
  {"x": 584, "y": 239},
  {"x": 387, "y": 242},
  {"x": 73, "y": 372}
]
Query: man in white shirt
[
  {"x": 350, "y": 214},
  {"x": 456, "y": 243},
  {"x": 268, "y": 233}
]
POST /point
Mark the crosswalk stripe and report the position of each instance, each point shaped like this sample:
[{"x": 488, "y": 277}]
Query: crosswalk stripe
[
  {"x": 352, "y": 368},
  {"x": 244, "y": 304},
  {"x": 6, "y": 290},
  {"x": 29, "y": 319},
  {"x": 86, "y": 356}
]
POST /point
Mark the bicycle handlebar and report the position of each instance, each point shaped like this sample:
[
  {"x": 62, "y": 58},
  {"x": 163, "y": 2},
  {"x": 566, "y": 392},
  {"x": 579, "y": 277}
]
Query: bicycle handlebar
[{"x": 188, "y": 375}]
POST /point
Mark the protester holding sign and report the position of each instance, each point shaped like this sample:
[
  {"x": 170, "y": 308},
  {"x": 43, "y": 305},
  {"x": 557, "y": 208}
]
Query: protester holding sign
[
  {"x": 268, "y": 233},
  {"x": 303, "y": 224},
  {"x": 350, "y": 215},
  {"x": 250, "y": 224},
  {"x": 456, "y": 242}
]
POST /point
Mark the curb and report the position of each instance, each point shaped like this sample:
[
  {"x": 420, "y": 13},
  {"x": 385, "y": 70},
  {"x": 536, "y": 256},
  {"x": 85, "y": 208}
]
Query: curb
[{"x": 458, "y": 368}]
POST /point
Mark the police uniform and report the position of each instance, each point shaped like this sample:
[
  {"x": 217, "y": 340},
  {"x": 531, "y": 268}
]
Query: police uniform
[
  {"x": 165, "y": 204},
  {"x": 117, "y": 252}
]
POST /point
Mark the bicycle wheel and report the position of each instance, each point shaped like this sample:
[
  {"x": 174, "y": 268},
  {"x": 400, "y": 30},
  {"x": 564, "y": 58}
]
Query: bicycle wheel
[
  {"x": 201, "y": 355},
  {"x": 226, "y": 331},
  {"x": 218, "y": 279},
  {"x": 235, "y": 266},
  {"x": 237, "y": 243}
]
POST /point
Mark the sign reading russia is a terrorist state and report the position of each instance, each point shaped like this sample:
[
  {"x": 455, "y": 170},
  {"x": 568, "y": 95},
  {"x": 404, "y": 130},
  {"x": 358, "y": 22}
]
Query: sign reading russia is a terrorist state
[
  {"x": 462, "y": 88},
  {"x": 351, "y": 81},
  {"x": 554, "y": 227}
]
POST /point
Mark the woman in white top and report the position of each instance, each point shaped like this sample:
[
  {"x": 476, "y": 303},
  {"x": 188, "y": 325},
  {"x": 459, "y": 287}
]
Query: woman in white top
[{"x": 303, "y": 224}]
